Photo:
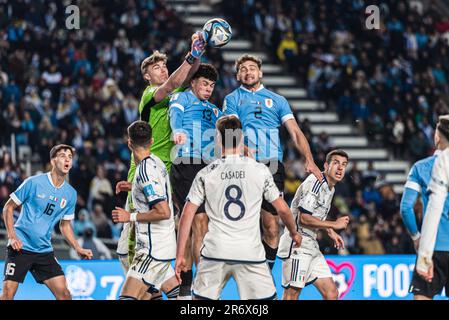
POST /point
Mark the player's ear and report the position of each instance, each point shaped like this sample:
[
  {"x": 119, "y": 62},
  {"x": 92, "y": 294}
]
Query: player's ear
[
  {"x": 151, "y": 142},
  {"x": 326, "y": 166},
  {"x": 147, "y": 77},
  {"x": 260, "y": 73},
  {"x": 130, "y": 146}
]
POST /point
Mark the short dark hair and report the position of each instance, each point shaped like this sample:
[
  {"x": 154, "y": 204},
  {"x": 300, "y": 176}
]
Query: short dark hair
[
  {"x": 140, "y": 133},
  {"x": 336, "y": 152},
  {"x": 248, "y": 57},
  {"x": 443, "y": 126},
  {"x": 230, "y": 129},
  {"x": 207, "y": 71},
  {"x": 54, "y": 151}
]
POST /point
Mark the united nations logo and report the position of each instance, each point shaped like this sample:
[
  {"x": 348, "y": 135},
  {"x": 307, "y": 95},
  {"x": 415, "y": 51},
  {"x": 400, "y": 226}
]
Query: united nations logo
[{"x": 81, "y": 283}]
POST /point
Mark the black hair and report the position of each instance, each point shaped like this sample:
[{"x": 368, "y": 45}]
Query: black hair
[
  {"x": 140, "y": 133},
  {"x": 230, "y": 129},
  {"x": 336, "y": 152},
  {"x": 207, "y": 71}
]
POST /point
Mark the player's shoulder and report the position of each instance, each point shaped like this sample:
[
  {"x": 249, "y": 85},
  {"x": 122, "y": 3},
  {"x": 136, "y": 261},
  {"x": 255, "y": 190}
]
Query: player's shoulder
[
  {"x": 424, "y": 164},
  {"x": 443, "y": 158},
  {"x": 312, "y": 184},
  {"x": 233, "y": 94},
  {"x": 71, "y": 190},
  {"x": 152, "y": 162},
  {"x": 273, "y": 95}
]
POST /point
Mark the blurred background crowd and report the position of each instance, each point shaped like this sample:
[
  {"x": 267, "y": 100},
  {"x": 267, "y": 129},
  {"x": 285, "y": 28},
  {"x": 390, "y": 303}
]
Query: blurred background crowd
[{"x": 83, "y": 88}]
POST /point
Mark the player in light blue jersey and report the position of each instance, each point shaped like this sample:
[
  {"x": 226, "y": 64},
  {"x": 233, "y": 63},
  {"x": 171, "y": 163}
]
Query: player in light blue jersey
[
  {"x": 192, "y": 120},
  {"x": 417, "y": 184},
  {"x": 46, "y": 199},
  {"x": 262, "y": 112}
]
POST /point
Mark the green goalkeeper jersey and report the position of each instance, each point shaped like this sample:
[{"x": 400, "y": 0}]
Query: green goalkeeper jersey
[{"x": 156, "y": 114}]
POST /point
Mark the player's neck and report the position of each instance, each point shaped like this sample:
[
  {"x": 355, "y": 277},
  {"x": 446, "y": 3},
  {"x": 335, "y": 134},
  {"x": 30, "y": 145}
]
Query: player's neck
[
  {"x": 57, "y": 178},
  {"x": 253, "y": 87},
  {"x": 442, "y": 146},
  {"x": 141, "y": 154},
  {"x": 330, "y": 182},
  {"x": 231, "y": 152}
]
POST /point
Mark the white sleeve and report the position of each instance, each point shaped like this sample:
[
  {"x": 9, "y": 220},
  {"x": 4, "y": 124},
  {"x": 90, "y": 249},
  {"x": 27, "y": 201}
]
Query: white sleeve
[
  {"x": 270, "y": 190},
  {"x": 196, "y": 194},
  {"x": 309, "y": 198},
  {"x": 153, "y": 187},
  {"x": 438, "y": 188}
]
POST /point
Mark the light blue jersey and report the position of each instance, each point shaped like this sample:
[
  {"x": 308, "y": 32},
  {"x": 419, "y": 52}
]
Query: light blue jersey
[
  {"x": 43, "y": 205},
  {"x": 417, "y": 183},
  {"x": 262, "y": 113},
  {"x": 197, "y": 119}
]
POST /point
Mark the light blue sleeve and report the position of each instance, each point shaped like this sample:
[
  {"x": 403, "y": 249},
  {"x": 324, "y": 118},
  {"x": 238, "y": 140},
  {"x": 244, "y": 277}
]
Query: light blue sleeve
[
  {"x": 412, "y": 189},
  {"x": 408, "y": 215},
  {"x": 69, "y": 213},
  {"x": 23, "y": 192},
  {"x": 230, "y": 106},
  {"x": 178, "y": 103},
  {"x": 285, "y": 112}
]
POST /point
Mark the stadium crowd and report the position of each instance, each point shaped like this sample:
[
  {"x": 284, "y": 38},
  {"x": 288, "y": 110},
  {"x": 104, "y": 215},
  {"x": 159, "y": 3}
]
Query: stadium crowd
[{"x": 83, "y": 87}]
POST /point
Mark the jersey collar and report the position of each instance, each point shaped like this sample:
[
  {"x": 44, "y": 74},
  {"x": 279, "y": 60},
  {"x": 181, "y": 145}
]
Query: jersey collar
[
  {"x": 51, "y": 181},
  {"x": 260, "y": 88},
  {"x": 437, "y": 152}
]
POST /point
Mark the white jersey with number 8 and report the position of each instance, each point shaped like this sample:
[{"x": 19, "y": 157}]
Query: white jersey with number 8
[{"x": 232, "y": 189}]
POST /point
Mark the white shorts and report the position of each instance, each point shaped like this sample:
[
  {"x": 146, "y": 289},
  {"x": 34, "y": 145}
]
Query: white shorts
[
  {"x": 306, "y": 264},
  {"x": 152, "y": 272},
  {"x": 254, "y": 280}
]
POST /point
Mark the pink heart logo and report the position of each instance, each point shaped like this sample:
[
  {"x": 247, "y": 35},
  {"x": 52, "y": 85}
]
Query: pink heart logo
[{"x": 336, "y": 270}]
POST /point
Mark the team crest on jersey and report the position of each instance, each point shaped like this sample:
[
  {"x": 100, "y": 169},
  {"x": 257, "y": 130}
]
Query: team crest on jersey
[
  {"x": 269, "y": 103},
  {"x": 63, "y": 203}
]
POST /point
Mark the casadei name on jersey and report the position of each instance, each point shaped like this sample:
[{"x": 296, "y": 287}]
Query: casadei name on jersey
[{"x": 239, "y": 174}]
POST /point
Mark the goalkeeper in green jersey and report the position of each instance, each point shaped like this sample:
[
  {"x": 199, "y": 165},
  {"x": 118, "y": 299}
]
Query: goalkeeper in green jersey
[{"x": 153, "y": 108}]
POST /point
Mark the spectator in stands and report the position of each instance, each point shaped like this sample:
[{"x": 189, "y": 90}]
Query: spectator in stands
[{"x": 90, "y": 241}]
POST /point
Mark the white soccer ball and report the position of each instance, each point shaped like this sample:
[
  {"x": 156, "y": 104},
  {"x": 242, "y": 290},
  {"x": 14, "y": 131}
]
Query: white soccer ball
[{"x": 217, "y": 32}]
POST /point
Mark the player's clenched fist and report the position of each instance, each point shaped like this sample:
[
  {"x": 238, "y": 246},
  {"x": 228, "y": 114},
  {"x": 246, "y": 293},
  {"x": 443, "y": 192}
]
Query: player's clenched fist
[
  {"x": 123, "y": 186},
  {"x": 120, "y": 215},
  {"x": 297, "y": 239},
  {"x": 84, "y": 253},
  {"x": 180, "y": 138},
  {"x": 341, "y": 223},
  {"x": 16, "y": 244}
]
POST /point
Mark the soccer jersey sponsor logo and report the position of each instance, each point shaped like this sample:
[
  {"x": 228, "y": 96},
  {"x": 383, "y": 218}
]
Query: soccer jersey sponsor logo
[{"x": 41, "y": 196}]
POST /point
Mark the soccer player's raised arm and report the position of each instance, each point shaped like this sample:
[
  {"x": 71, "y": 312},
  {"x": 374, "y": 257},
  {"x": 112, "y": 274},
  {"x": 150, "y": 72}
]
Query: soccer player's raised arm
[
  {"x": 176, "y": 111},
  {"x": 302, "y": 145},
  {"x": 438, "y": 188},
  {"x": 411, "y": 192},
  {"x": 180, "y": 75}
]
